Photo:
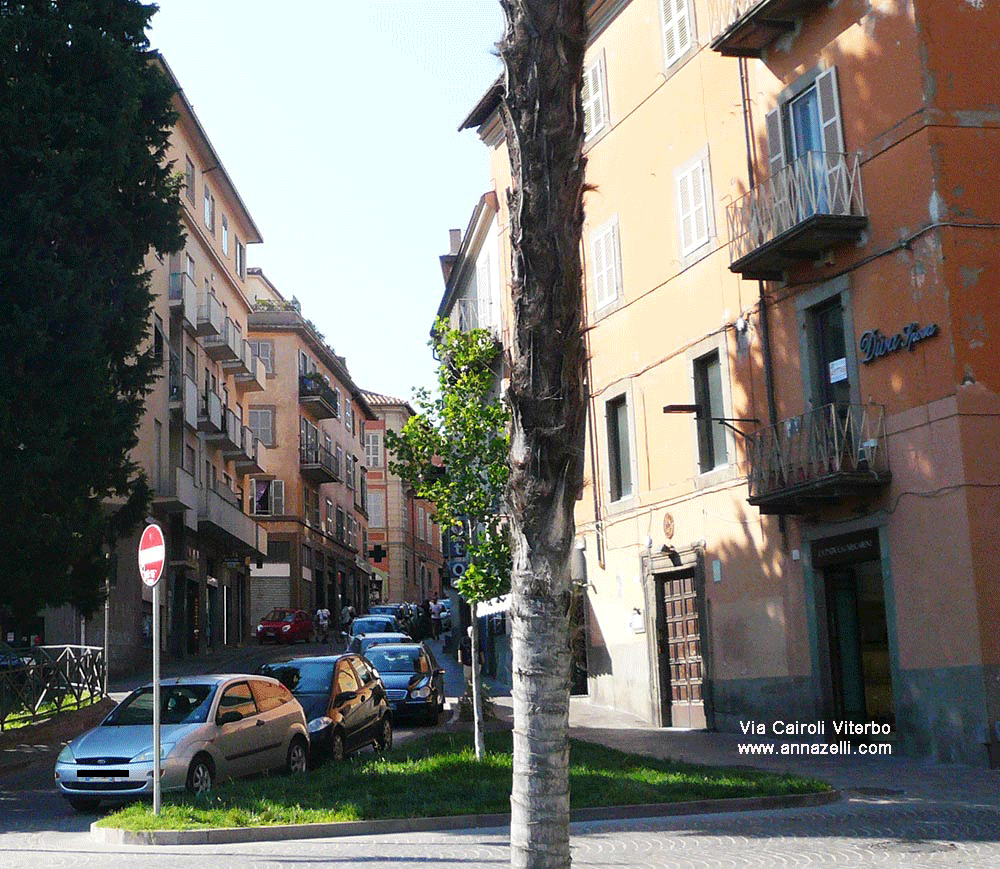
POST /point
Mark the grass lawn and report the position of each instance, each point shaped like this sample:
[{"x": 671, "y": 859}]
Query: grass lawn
[{"x": 439, "y": 775}]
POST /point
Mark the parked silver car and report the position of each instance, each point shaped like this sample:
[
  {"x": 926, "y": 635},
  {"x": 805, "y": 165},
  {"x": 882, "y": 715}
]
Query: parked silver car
[{"x": 212, "y": 728}]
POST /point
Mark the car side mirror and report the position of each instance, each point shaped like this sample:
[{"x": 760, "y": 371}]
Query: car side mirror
[
  {"x": 344, "y": 697},
  {"x": 228, "y": 717}
]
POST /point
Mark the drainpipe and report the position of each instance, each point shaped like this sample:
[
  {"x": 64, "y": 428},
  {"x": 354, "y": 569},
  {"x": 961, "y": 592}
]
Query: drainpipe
[{"x": 765, "y": 330}]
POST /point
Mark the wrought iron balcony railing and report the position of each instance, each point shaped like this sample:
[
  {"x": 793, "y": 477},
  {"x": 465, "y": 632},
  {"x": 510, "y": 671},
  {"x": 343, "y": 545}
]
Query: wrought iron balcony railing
[
  {"x": 805, "y": 208},
  {"x": 821, "y": 456}
]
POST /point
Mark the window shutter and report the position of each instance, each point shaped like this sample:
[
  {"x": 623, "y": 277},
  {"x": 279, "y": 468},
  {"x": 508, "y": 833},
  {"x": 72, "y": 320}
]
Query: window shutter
[
  {"x": 277, "y": 497},
  {"x": 692, "y": 204},
  {"x": 829, "y": 111},
  {"x": 484, "y": 292},
  {"x": 775, "y": 142},
  {"x": 594, "y": 113},
  {"x": 600, "y": 271},
  {"x": 832, "y": 136},
  {"x": 676, "y": 30},
  {"x": 699, "y": 217}
]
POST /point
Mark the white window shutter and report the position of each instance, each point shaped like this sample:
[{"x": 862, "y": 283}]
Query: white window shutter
[
  {"x": 684, "y": 211},
  {"x": 775, "y": 142},
  {"x": 277, "y": 497},
  {"x": 600, "y": 271},
  {"x": 829, "y": 111},
  {"x": 676, "y": 29},
  {"x": 699, "y": 212},
  {"x": 594, "y": 109}
]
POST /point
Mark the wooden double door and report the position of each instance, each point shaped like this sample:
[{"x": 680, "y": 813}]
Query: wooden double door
[{"x": 679, "y": 648}]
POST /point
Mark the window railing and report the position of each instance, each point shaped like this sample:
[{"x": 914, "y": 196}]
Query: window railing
[
  {"x": 817, "y": 183},
  {"x": 830, "y": 441},
  {"x": 316, "y": 455}
]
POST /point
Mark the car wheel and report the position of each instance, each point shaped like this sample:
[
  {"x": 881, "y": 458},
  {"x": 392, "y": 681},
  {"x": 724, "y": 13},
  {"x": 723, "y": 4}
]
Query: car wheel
[
  {"x": 337, "y": 752},
  {"x": 201, "y": 776},
  {"x": 84, "y": 804},
  {"x": 384, "y": 741},
  {"x": 433, "y": 714},
  {"x": 298, "y": 757}
]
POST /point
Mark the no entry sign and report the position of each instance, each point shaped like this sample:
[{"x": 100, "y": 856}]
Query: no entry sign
[{"x": 152, "y": 554}]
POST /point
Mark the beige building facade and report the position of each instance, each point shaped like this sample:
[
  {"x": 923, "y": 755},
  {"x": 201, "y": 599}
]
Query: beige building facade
[
  {"x": 195, "y": 444},
  {"x": 788, "y": 255}
]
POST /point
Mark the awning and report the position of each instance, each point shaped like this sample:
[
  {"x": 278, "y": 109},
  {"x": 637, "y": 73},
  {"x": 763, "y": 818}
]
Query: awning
[{"x": 493, "y": 605}]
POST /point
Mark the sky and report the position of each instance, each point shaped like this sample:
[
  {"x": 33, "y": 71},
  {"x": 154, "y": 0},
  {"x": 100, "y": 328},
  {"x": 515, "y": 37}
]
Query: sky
[{"x": 338, "y": 123}]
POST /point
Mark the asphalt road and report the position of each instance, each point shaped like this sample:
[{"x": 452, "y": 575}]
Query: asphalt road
[{"x": 29, "y": 801}]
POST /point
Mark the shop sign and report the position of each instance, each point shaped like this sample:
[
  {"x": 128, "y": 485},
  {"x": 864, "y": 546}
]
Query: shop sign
[
  {"x": 860, "y": 546},
  {"x": 874, "y": 345}
]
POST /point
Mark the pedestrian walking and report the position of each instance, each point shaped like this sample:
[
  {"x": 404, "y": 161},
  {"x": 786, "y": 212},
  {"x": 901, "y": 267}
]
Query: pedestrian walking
[
  {"x": 323, "y": 625},
  {"x": 436, "y": 609}
]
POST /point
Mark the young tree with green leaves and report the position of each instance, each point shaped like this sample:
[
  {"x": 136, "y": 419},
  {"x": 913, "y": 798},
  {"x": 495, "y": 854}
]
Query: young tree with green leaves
[
  {"x": 454, "y": 453},
  {"x": 87, "y": 192}
]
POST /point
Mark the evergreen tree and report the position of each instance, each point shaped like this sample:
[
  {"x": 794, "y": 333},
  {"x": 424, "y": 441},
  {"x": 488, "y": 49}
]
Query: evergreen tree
[{"x": 87, "y": 192}]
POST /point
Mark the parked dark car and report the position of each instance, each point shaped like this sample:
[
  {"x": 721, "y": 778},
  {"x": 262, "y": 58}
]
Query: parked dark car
[
  {"x": 344, "y": 700},
  {"x": 414, "y": 681},
  {"x": 285, "y": 626}
]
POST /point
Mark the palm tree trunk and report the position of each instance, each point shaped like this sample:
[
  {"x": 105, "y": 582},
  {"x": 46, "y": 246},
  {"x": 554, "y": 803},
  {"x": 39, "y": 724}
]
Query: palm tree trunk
[{"x": 542, "y": 51}]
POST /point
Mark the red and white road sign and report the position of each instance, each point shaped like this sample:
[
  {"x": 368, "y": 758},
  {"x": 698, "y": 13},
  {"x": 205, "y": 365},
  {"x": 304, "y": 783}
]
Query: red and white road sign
[{"x": 152, "y": 554}]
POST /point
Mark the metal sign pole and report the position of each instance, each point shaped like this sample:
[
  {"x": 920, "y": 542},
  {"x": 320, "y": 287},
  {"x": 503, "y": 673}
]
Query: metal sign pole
[{"x": 156, "y": 699}]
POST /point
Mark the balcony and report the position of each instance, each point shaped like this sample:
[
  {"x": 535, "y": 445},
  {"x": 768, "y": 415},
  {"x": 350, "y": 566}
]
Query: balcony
[
  {"x": 806, "y": 208},
  {"x": 221, "y": 517},
  {"x": 184, "y": 299},
  {"x": 177, "y": 493},
  {"x": 819, "y": 458},
  {"x": 317, "y": 464},
  {"x": 745, "y": 28},
  {"x": 211, "y": 319},
  {"x": 249, "y": 459},
  {"x": 248, "y": 371},
  {"x": 183, "y": 394},
  {"x": 228, "y": 437},
  {"x": 210, "y": 413},
  {"x": 316, "y": 395},
  {"x": 225, "y": 346},
  {"x": 477, "y": 314}
]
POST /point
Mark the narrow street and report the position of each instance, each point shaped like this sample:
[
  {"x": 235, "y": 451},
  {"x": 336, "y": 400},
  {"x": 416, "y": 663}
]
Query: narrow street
[{"x": 895, "y": 813}]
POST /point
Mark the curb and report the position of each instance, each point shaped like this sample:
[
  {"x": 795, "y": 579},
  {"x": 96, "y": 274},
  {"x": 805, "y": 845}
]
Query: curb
[{"x": 230, "y": 835}]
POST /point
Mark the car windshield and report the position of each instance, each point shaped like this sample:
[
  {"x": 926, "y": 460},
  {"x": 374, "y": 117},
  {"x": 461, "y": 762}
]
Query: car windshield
[
  {"x": 397, "y": 660},
  {"x": 371, "y": 625},
  {"x": 279, "y": 616},
  {"x": 302, "y": 677},
  {"x": 179, "y": 704}
]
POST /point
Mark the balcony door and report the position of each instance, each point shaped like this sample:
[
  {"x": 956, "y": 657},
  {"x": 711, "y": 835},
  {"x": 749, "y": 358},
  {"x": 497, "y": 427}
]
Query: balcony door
[{"x": 832, "y": 383}]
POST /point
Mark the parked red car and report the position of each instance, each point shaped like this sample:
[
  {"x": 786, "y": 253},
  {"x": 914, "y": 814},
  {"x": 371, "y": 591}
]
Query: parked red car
[{"x": 285, "y": 626}]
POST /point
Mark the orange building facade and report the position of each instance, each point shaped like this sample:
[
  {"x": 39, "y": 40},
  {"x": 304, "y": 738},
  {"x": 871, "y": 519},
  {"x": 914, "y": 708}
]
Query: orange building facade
[
  {"x": 793, "y": 384},
  {"x": 313, "y": 500},
  {"x": 400, "y": 527}
]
